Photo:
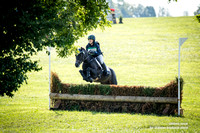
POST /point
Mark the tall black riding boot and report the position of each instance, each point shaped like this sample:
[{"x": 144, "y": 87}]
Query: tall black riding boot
[{"x": 105, "y": 69}]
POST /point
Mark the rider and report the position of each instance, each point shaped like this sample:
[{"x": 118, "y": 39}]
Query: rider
[{"x": 94, "y": 49}]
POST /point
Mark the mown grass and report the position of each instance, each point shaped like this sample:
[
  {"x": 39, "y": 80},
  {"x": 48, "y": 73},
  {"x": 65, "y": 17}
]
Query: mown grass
[{"x": 142, "y": 51}]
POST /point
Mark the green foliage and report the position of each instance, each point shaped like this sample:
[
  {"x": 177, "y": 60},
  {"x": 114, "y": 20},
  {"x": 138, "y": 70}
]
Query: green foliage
[
  {"x": 172, "y": 0},
  {"x": 169, "y": 90},
  {"x": 82, "y": 89},
  {"x": 12, "y": 73},
  {"x": 28, "y": 27},
  {"x": 198, "y": 18},
  {"x": 89, "y": 89},
  {"x": 163, "y": 12},
  {"x": 153, "y": 63},
  {"x": 197, "y": 12},
  {"x": 105, "y": 89},
  {"x": 148, "y": 91},
  {"x": 148, "y": 12},
  {"x": 128, "y": 10}
]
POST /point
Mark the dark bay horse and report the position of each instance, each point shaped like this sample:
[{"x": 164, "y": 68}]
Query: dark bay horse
[{"x": 92, "y": 70}]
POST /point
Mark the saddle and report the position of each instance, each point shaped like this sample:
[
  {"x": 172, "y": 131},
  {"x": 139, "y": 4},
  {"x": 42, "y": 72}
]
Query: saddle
[
  {"x": 101, "y": 68},
  {"x": 98, "y": 63}
]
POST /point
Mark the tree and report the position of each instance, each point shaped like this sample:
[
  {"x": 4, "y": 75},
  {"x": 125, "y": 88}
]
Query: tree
[
  {"x": 148, "y": 12},
  {"x": 163, "y": 12},
  {"x": 198, "y": 18},
  {"x": 197, "y": 11},
  {"x": 185, "y": 13},
  {"x": 139, "y": 10},
  {"x": 127, "y": 10},
  {"x": 197, "y": 14},
  {"x": 124, "y": 9},
  {"x": 172, "y": 0},
  {"x": 29, "y": 26}
]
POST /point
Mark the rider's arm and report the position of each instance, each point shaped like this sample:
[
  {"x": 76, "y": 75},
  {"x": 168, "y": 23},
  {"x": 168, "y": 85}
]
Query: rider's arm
[
  {"x": 87, "y": 48},
  {"x": 98, "y": 50}
]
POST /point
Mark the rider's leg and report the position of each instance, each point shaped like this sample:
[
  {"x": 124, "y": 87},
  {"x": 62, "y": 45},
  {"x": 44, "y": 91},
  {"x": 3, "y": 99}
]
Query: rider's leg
[{"x": 105, "y": 68}]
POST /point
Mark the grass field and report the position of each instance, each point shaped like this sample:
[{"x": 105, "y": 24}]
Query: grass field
[{"x": 142, "y": 51}]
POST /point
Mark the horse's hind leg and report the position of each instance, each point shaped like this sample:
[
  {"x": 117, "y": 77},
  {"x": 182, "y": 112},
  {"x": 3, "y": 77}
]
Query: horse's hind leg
[{"x": 113, "y": 79}]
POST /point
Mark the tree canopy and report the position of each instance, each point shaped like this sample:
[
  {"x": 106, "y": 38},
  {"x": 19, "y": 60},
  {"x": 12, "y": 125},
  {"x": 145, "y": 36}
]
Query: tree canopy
[
  {"x": 29, "y": 26},
  {"x": 127, "y": 10},
  {"x": 197, "y": 13}
]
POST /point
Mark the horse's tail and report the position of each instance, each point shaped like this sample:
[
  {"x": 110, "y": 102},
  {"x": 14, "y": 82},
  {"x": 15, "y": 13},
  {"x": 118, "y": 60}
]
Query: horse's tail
[{"x": 113, "y": 77}]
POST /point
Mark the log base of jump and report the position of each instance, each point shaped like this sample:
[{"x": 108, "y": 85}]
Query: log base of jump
[
  {"x": 135, "y": 99},
  {"x": 115, "y": 98}
]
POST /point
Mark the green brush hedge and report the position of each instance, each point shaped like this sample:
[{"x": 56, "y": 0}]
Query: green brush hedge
[{"x": 169, "y": 90}]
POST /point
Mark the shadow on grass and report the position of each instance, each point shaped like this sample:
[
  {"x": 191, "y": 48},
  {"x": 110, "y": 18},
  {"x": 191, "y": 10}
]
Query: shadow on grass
[
  {"x": 133, "y": 113},
  {"x": 59, "y": 112}
]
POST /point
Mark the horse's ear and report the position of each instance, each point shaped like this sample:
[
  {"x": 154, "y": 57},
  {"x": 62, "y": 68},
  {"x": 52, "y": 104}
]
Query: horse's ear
[{"x": 82, "y": 48}]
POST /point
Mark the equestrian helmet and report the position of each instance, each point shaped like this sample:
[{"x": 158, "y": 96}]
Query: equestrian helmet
[{"x": 91, "y": 37}]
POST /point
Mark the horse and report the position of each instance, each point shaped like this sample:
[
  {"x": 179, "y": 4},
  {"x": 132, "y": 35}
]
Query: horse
[{"x": 92, "y": 70}]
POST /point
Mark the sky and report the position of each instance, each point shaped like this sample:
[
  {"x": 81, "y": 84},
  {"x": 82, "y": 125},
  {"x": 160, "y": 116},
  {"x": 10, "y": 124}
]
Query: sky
[{"x": 174, "y": 8}]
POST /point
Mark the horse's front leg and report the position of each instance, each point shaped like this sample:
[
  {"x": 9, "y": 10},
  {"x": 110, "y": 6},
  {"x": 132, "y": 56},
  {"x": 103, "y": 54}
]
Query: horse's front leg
[
  {"x": 94, "y": 72},
  {"x": 83, "y": 75},
  {"x": 89, "y": 75}
]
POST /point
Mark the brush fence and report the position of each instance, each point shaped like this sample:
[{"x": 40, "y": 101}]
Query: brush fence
[{"x": 115, "y": 98}]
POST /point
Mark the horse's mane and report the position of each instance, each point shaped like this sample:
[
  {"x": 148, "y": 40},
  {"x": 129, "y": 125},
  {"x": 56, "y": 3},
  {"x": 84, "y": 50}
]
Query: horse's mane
[{"x": 83, "y": 49}]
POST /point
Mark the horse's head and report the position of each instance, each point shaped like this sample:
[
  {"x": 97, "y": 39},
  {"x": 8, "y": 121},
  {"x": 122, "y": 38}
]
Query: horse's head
[{"x": 80, "y": 56}]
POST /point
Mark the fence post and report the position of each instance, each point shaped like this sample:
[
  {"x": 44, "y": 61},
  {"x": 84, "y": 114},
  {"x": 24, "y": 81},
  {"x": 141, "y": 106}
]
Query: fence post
[
  {"x": 181, "y": 41},
  {"x": 49, "y": 49}
]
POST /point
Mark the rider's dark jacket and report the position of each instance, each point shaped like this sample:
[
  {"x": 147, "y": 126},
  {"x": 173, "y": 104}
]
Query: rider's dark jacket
[{"x": 95, "y": 48}]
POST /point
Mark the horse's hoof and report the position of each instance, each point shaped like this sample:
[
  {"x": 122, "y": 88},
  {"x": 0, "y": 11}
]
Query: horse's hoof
[
  {"x": 90, "y": 80},
  {"x": 85, "y": 79}
]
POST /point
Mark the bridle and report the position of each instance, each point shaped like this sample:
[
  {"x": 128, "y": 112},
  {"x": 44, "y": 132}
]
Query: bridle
[{"x": 84, "y": 58}]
